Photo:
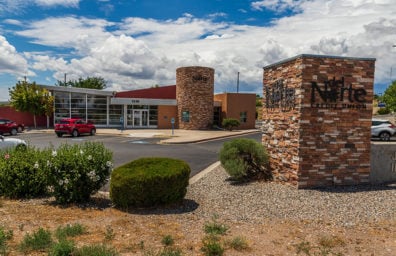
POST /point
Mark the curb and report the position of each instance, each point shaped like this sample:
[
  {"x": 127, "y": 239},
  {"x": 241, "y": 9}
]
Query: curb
[
  {"x": 202, "y": 173},
  {"x": 207, "y": 139}
]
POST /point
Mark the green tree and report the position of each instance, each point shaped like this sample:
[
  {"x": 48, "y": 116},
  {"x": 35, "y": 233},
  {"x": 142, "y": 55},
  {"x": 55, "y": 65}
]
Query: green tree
[
  {"x": 259, "y": 101},
  {"x": 89, "y": 82},
  {"x": 389, "y": 97},
  {"x": 32, "y": 98}
]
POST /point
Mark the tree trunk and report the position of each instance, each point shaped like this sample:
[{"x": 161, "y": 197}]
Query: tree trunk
[{"x": 34, "y": 121}]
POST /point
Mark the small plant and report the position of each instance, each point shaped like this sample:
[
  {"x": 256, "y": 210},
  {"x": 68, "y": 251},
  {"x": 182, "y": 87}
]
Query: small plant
[
  {"x": 5, "y": 235},
  {"x": 230, "y": 123},
  {"x": 244, "y": 158},
  {"x": 238, "y": 243},
  {"x": 325, "y": 247},
  {"x": 215, "y": 228},
  {"x": 331, "y": 241},
  {"x": 39, "y": 240},
  {"x": 170, "y": 252},
  {"x": 69, "y": 231},
  {"x": 62, "y": 248},
  {"x": 109, "y": 234},
  {"x": 95, "y": 250},
  {"x": 303, "y": 247},
  {"x": 212, "y": 247},
  {"x": 167, "y": 240}
]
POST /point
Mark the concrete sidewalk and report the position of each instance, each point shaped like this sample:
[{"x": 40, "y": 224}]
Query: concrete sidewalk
[{"x": 167, "y": 136}]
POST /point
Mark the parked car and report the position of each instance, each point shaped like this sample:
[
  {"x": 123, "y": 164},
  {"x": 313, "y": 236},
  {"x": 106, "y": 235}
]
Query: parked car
[
  {"x": 6, "y": 143},
  {"x": 74, "y": 127},
  {"x": 382, "y": 129},
  {"x": 8, "y": 126}
]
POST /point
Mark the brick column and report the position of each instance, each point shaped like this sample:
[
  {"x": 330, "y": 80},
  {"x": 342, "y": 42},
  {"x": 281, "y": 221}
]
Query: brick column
[
  {"x": 317, "y": 118},
  {"x": 194, "y": 95}
]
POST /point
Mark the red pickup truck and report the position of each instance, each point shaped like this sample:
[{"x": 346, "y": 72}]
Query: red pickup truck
[{"x": 74, "y": 127}]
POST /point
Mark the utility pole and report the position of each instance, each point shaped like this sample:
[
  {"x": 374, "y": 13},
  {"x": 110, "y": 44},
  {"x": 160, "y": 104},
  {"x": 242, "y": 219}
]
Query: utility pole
[{"x": 238, "y": 83}]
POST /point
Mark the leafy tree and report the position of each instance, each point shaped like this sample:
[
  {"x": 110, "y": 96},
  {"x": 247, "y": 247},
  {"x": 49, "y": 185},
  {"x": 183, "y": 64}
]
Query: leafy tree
[
  {"x": 259, "y": 101},
  {"x": 32, "y": 98},
  {"x": 389, "y": 97},
  {"x": 89, "y": 82}
]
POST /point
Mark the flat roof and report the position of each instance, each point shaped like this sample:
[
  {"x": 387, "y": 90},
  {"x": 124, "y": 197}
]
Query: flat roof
[
  {"x": 316, "y": 56},
  {"x": 77, "y": 90}
]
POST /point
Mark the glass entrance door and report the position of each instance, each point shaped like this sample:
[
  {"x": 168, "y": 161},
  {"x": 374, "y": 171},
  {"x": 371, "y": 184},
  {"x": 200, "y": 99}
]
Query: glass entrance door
[{"x": 140, "y": 118}]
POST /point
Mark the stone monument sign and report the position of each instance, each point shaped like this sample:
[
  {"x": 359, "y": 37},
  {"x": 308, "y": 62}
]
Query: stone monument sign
[{"x": 317, "y": 116}]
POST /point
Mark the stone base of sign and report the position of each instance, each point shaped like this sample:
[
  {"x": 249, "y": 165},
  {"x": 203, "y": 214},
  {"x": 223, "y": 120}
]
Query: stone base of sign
[{"x": 317, "y": 117}]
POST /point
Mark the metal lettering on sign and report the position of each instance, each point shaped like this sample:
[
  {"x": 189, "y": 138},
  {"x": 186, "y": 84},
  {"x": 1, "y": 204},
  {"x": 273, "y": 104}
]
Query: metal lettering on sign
[
  {"x": 279, "y": 96},
  {"x": 200, "y": 78},
  {"x": 336, "y": 94}
]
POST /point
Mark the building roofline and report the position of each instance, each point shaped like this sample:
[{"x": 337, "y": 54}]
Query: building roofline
[
  {"x": 77, "y": 90},
  {"x": 316, "y": 56}
]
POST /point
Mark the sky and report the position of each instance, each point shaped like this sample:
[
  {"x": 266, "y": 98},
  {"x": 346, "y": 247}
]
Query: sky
[{"x": 136, "y": 44}]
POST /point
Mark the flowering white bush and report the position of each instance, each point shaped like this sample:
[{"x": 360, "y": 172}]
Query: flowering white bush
[
  {"x": 21, "y": 175},
  {"x": 77, "y": 171}
]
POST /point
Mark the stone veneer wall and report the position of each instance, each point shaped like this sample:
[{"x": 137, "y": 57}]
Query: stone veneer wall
[
  {"x": 194, "y": 93},
  {"x": 316, "y": 137}
]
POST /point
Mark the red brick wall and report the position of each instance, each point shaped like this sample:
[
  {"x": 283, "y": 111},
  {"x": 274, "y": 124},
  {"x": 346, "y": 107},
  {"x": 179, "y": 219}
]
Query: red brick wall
[
  {"x": 313, "y": 142},
  {"x": 23, "y": 117}
]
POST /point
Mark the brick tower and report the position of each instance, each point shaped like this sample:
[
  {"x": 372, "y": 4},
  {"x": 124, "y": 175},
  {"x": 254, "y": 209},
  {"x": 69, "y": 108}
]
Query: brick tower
[{"x": 194, "y": 95}]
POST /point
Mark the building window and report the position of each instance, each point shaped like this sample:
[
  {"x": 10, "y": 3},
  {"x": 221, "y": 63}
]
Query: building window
[
  {"x": 153, "y": 116},
  {"x": 185, "y": 116},
  {"x": 97, "y": 109},
  {"x": 217, "y": 116},
  {"x": 243, "y": 117}
]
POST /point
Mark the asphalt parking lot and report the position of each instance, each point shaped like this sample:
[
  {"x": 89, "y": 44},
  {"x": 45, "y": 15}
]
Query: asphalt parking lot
[{"x": 125, "y": 149}]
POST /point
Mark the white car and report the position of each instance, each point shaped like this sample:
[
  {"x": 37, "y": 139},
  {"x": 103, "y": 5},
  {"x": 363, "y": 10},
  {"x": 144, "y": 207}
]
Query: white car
[
  {"x": 6, "y": 143},
  {"x": 382, "y": 129}
]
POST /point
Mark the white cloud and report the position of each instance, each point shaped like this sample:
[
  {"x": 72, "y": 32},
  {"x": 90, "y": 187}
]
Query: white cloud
[
  {"x": 13, "y": 22},
  {"x": 50, "y": 3},
  {"x": 80, "y": 34},
  {"x": 18, "y": 6},
  {"x": 143, "y": 52},
  {"x": 277, "y": 5},
  {"x": 11, "y": 61}
]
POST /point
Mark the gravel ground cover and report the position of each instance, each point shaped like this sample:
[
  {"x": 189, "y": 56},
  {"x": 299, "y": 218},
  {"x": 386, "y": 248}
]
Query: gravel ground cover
[{"x": 275, "y": 219}]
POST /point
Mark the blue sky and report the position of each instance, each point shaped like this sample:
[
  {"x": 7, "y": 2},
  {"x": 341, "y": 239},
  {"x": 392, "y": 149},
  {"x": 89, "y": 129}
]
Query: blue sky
[{"x": 136, "y": 44}]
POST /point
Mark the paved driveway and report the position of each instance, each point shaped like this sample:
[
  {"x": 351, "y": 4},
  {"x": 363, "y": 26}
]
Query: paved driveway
[{"x": 125, "y": 149}]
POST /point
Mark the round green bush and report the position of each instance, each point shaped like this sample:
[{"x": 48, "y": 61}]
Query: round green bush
[
  {"x": 244, "y": 158},
  {"x": 230, "y": 123},
  {"x": 148, "y": 182}
]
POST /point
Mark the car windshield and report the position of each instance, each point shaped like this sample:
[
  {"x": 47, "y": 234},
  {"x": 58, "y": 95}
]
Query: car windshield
[{"x": 64, "y": 122}]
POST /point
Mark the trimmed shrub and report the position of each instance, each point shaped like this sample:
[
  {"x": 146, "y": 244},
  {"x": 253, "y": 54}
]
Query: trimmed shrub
[
  {"x": 230, "y": 123},
  {"x": 78, "y": 171},
  {"x": 383, "y": 111},
  {"x": 244, "y": 158},
  {"x": 21, "y": 175},
  {"x": 147, "y": 182}
]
